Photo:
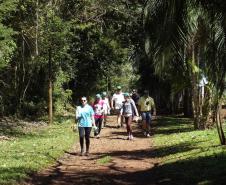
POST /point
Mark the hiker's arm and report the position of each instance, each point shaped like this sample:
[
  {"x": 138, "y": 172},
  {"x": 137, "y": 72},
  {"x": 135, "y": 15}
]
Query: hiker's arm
[
  {"x": 77, "y": 114},
  {"x": 139, "y": 105},
  {"x": 121, "y": 111},
  {"x": 154, "y": 108},
  {"x": 112, "y": 102},
  {"x": 93, "y": 120}
]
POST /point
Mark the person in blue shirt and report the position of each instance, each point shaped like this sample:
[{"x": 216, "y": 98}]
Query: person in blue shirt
[{"x": 85, "y": 119}]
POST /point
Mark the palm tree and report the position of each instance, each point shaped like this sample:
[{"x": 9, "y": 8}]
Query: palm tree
[{"x": 186, "y": 33}]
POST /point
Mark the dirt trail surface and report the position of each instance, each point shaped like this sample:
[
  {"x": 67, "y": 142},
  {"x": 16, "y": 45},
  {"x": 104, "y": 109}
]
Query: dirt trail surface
[{"x": 112, "y": 160}]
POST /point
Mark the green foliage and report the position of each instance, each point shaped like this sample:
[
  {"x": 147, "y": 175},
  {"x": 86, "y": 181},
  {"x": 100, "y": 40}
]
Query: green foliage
[
  {"x": 61, "y": 96},
  {"x": 7, "y": 7},
  {"x": 7, "y": 43},
  {"x": 89, "y": 48},
  {"x": 7, "y": 46},
  {"x": 106, "y": 31}
]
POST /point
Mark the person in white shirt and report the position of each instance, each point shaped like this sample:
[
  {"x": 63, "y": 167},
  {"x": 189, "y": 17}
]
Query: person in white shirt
[
  {"x": 106, "y": 107},
  {"x": 116, "y": 104}
]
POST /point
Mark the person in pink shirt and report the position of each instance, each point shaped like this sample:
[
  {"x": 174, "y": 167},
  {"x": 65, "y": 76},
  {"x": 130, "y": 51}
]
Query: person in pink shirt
[{"x": 98, "y": 114}]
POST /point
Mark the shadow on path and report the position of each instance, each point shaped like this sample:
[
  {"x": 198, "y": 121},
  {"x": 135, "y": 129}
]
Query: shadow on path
[{"x": 130, "y": 164}]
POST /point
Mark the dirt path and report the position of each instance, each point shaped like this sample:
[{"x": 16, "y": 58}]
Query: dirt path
[{"x": 112, "y": 160}]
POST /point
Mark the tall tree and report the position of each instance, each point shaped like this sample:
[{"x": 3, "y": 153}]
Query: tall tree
[{"x": 184, "y": 31}]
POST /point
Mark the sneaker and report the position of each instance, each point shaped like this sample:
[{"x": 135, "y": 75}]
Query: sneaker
[
  {"x": 131, "y": 137},
  {"x": 98, "y": 136},
  {"x": 148, "y": 135},
  {"x": 82, "y": 153}
]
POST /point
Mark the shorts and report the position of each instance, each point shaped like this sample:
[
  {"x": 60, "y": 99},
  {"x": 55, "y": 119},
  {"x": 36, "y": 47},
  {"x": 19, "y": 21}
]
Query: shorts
[{"x": 146, "y": 116}]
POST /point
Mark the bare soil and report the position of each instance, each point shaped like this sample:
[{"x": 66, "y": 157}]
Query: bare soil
[{"x": 112, "y": 160}]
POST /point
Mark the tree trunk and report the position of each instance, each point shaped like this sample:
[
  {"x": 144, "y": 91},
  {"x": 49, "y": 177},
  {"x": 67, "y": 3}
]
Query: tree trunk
[
  {"x": 219, "y": 124},
  {"x": 194, "y": 83},
  {"x": 37, "y": 27},
  {"x": 188, "y": 112},
  {"x": 206, "y": 108},
  {"x": 50, "y": 89}
]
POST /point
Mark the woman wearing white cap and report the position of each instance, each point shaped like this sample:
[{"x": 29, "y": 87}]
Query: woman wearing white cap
[{"x": 85, "y": 118}]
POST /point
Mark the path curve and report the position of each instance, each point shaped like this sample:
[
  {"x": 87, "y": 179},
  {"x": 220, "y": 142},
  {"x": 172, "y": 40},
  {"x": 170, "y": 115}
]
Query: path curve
[{"x": 112, "y": 160}]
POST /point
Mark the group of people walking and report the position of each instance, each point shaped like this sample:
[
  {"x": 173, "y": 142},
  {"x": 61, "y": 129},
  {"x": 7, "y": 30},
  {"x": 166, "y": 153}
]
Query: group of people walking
[{"x": 126, "y": 106}]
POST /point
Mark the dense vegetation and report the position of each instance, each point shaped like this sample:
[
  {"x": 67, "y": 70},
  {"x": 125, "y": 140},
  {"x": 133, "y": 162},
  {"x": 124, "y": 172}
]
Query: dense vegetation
[
  {"x": 54, "y": 51},
  {"x": 75, "y": 47}
]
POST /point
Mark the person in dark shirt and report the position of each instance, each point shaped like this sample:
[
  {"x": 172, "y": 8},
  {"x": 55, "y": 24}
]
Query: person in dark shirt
[{"x": 135, "y": 96}]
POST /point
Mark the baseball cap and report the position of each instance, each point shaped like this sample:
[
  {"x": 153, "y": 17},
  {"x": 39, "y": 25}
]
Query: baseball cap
[
  {"x": 98, "y": 96},
  {"x": 84, "y": 98},
  {"x": 126, "y": 94},
  {"x": 119, "y": 87}
]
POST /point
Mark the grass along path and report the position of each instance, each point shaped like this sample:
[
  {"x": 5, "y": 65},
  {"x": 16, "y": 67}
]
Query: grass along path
[
  {"x": 188, "y": 157},
  {"x": 29, "y": 147}
]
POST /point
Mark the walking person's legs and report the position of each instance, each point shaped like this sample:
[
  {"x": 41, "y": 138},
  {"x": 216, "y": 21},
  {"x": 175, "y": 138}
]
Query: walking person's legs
[
  {"x": 128, "y": 121},
  {"x": 87, "y": 137},
  {"x": 98, "y": 123},
  {"x": 99, "y": 126},
  {"x": 144, "y": 123},
  {"x": 119, "y": 119},
  {"x": 104, "y": 120},
  {"x": 148, "y": 122},
  {"x": 81, "y": 138},
  {"x": 127, "y": 126}
]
